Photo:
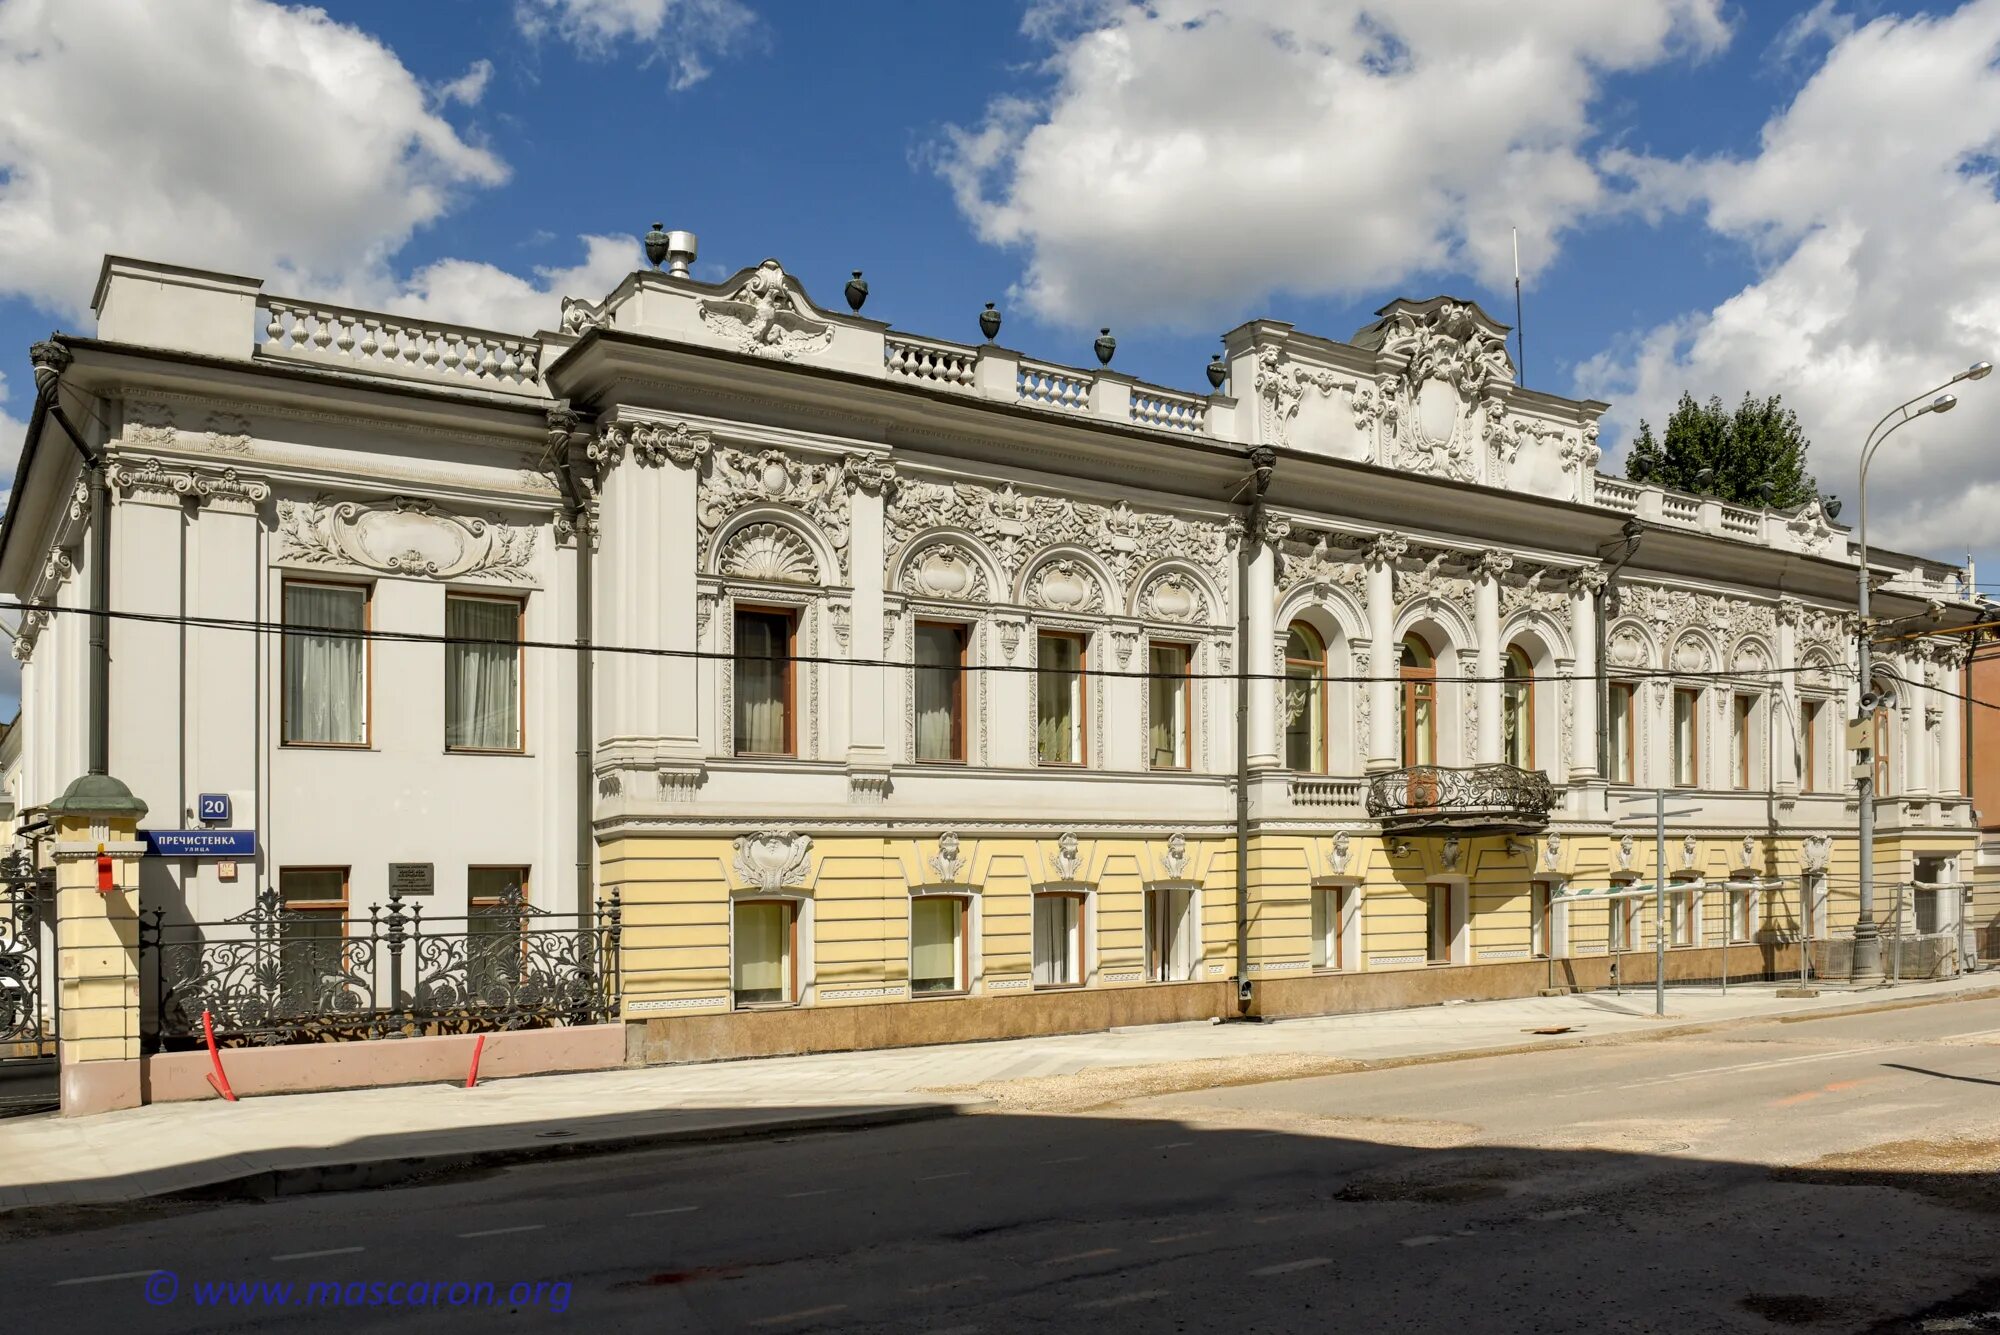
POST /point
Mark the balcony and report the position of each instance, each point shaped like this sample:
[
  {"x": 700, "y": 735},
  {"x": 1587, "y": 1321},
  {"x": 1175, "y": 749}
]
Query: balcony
[{"x": 1481, "y": 799}]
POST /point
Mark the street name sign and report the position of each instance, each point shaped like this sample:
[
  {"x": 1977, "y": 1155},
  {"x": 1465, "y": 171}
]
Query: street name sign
[{"x": 208, "y": 843}]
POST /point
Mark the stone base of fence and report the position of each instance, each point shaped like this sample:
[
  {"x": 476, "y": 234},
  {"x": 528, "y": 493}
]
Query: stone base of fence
[{"x": 304, "y": 1068}]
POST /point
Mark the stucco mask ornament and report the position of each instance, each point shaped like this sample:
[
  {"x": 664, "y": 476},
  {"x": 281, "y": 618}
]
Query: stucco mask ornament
[
  {"x": 1687, "y": 851},
  {"x": 1343, "y": 844},
  {"x": 1068, "y": 861},
  {"x": 1552, "y": 850},
  {"x": 1625, "y": 853},
  {"x": 947, "y": 866},
  {"x": 1813, "y": 854},
  {"x": 1175, "y": 862},
  {"x": 764, "y": 317},
  {"x": 1749, "y": 851},
  {"x": 1452, "y": 849},
  {"x": 773, "y": 859}
]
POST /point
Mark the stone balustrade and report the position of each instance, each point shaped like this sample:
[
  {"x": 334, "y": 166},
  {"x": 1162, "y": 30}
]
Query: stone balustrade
[{"x": 375, "y": 344}]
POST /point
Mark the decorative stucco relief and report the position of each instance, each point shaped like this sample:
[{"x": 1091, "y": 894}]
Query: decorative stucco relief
[
  {"x": 769, "y": 551},
  {"x": 1455, "y": 358},
  {"x": 764, "y": 316},
  {"x": 1015, "y": 527},
  {"x": 770, "y": 860},
  {"x": 945, "y": 570},
  {"x": 1283, "y": 384},
  {"x": 132, "y": 476},
  {"x": 651, "y": 444},
  {"x": 1430, "y": 584},
  {"x": 403, "y": 536},
  {"x": 738, "y": 479}
]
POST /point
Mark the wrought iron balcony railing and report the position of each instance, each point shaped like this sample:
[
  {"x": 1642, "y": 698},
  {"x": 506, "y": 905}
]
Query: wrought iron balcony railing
[{"x": 1480, "y": 797}]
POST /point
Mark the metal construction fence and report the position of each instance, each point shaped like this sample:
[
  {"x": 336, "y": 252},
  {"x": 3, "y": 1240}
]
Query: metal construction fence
[{"x": 277, "y": 974}]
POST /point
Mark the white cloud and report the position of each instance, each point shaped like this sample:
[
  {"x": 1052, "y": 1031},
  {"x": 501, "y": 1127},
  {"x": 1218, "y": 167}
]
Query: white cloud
[
  {"x": 468, "y": 87},
  {"x": 12, "y": 430},
  {"x": 682, "y": 33},
  {"x": 233, "y": 134},
  {"x": 1870, "y": 209},
  {"x": 475, "y": 293},
  {"x": 1188, "y": 159}
]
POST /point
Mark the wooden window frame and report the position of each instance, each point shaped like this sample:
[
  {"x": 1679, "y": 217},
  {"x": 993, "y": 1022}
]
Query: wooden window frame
[
  {"x": 792, "y": 909},
  {"x": 520, "y": 746},
  {"x": 1681, "y": 890},
  {"x": 1690, "y": 762},
  {"x": 1412, "y": 681},
  {"x": 963, "y": 634},
  {"x": 1811, "y": 719},
  {"x": 338, "y": 907},
  {"x": 1186, "y": 652},
  {"x": 1621, "y": 929},
  {"x": 1743, "y": 723},
  {"x": 1623, "y": 700},
  {"x": 1323, "y": 736},
  {"x": 1744, "y": 901},
  {"x": 1448, "y": 889},
  {"x": 1081, "y": 973},
  {"x": 1335, "y": 899},
  {"x": 473, "y": 903},
  {"x": 1150, "y": 918},
  {"x": 1541, "y": 919},
  {"x": 1082, "y": 697},
  {"x": 367, "y": 591},
  {"x": 1526, "y": 683},
  {"x": 791, "y": 693},
  {"x": 964, "y": 905}
]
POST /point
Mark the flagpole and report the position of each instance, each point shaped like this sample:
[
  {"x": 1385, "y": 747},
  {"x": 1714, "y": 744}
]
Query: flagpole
[{"x": 1520, "y": 330}]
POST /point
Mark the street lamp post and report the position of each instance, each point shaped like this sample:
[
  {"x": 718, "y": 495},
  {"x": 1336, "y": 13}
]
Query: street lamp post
[{"x": 1867, "y": 936}]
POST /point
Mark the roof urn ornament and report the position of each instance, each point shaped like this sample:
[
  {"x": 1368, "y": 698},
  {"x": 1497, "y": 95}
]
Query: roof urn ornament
[
  {"x": 989, "y": 322},
  {"x": 1104, "y": 346},
  {"x": 857, "y": 292},
  {"x": 656, "y": 245},
  {"x": 1218, "y": 371},
  {"x": 1830, "y": 507}
]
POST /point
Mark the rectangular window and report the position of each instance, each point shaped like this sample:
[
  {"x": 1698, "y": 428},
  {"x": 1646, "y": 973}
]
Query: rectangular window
[
  {"x": 482, "y": 673},
  {"x": 1541, "y": 919},
  {"x": 326, "y": 676},
  {"x": 938, "y": 961},
  {"x": 1624, "y": 920},
  {"x": 1814, "y": 907},
  {"x": 1810, "y": 726},
  {"x": 1742, "y": 914},
  {"x": 764, "y": 683},
  {"x": 1682, "y": 910},
  {"x": 1622, "y": 766},
  {"x": 940, "y": 688},
  {"x": 1883, "y": 734},
  {"x": 1440, "y": 925},
  {"x": 1059, "y": 679},
  {"x": 1167, "y": 700},
  {"x": 312, "y": 932},
  {"x": 1742, "y": 713},
  {"x": 1687, "y": 738},
  {"x": 1329, "y": 908},
  {"x": 1926, "y": 910},
  {"x": 1171, "y": 944},
  {"x": 766, "y": 945},
  {"x": 496, "y": 898},
  {"x": 1058, "y": 940}
]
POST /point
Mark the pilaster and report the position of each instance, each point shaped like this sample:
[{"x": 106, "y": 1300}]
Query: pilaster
[
  {"x": 1583, "y": 614},
  {"x": 1261, "y": 593},
  {"x": 1384, "y": 749}
]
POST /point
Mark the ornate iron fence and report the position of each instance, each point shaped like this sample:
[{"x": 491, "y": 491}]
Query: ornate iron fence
[
  {"x": 276, "y": 975},
  {"x": 25, "y": 909},
  {"x": 1492, "y": 797}
]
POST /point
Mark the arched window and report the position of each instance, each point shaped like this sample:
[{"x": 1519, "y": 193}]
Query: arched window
[
  {"x": 1517, "y": 710},
  {"x": 1419, "y": 702},
  {"x": 1305, "y": 700}
]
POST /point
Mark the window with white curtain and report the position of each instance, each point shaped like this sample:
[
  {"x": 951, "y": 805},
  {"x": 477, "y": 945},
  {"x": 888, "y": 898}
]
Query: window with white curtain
[
  {"x": 1329, "y": 907},
  {"x": 496, "y": 917},
  {"x": 1167, "y": 705},
  {"x": 482, "y": 673},
  {"x": 937, "y": 944},
  {"x": 1059, "y": 731},
  {"x": 766, "y": 952},
  {"x": 1058, "y": 940},
  {"x": 1172, "y": 940},
  {"x": 1687, "y": 738},
  {"x": 940, "y": 688},
  {"x": 326, "y": 676},
  {"x": 763, "y": 683}
]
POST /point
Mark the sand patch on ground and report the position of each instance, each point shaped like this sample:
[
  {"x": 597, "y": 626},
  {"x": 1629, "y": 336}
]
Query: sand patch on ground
[
  {"x": 1954, "y": 1155},
  {"x": 1104, "y": 1086}
]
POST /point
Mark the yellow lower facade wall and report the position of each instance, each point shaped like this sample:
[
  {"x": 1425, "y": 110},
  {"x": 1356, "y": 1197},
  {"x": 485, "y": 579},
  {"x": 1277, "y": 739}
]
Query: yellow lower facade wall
[{"x": 853, "y": 896}]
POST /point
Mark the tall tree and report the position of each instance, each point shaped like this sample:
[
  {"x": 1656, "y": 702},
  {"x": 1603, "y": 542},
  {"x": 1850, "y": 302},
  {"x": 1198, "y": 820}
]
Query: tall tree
[{"x": 1760, "y": 442}]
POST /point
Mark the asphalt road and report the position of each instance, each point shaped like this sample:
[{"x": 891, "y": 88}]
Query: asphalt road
[{"x": 1676, "y": 1186}]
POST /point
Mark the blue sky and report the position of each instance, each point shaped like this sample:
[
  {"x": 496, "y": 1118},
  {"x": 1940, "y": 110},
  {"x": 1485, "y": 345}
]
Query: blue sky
[{"x": 1714, "y": 196}]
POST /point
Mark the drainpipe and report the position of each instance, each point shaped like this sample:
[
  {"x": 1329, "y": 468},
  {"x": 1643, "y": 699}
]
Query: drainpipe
[
  {"x": 50, "y": 360},
  {"x": 1262, "y": 460},
  {"x": 563, "y": 424}
]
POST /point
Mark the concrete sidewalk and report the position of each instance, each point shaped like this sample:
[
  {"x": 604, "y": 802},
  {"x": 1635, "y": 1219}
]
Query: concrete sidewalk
[{"x": 305, "y": 1142}]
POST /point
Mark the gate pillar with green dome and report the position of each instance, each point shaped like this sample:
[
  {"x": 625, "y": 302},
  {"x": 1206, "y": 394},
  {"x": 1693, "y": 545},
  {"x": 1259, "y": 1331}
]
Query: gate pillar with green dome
[{"x": 97, "y": 852}]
